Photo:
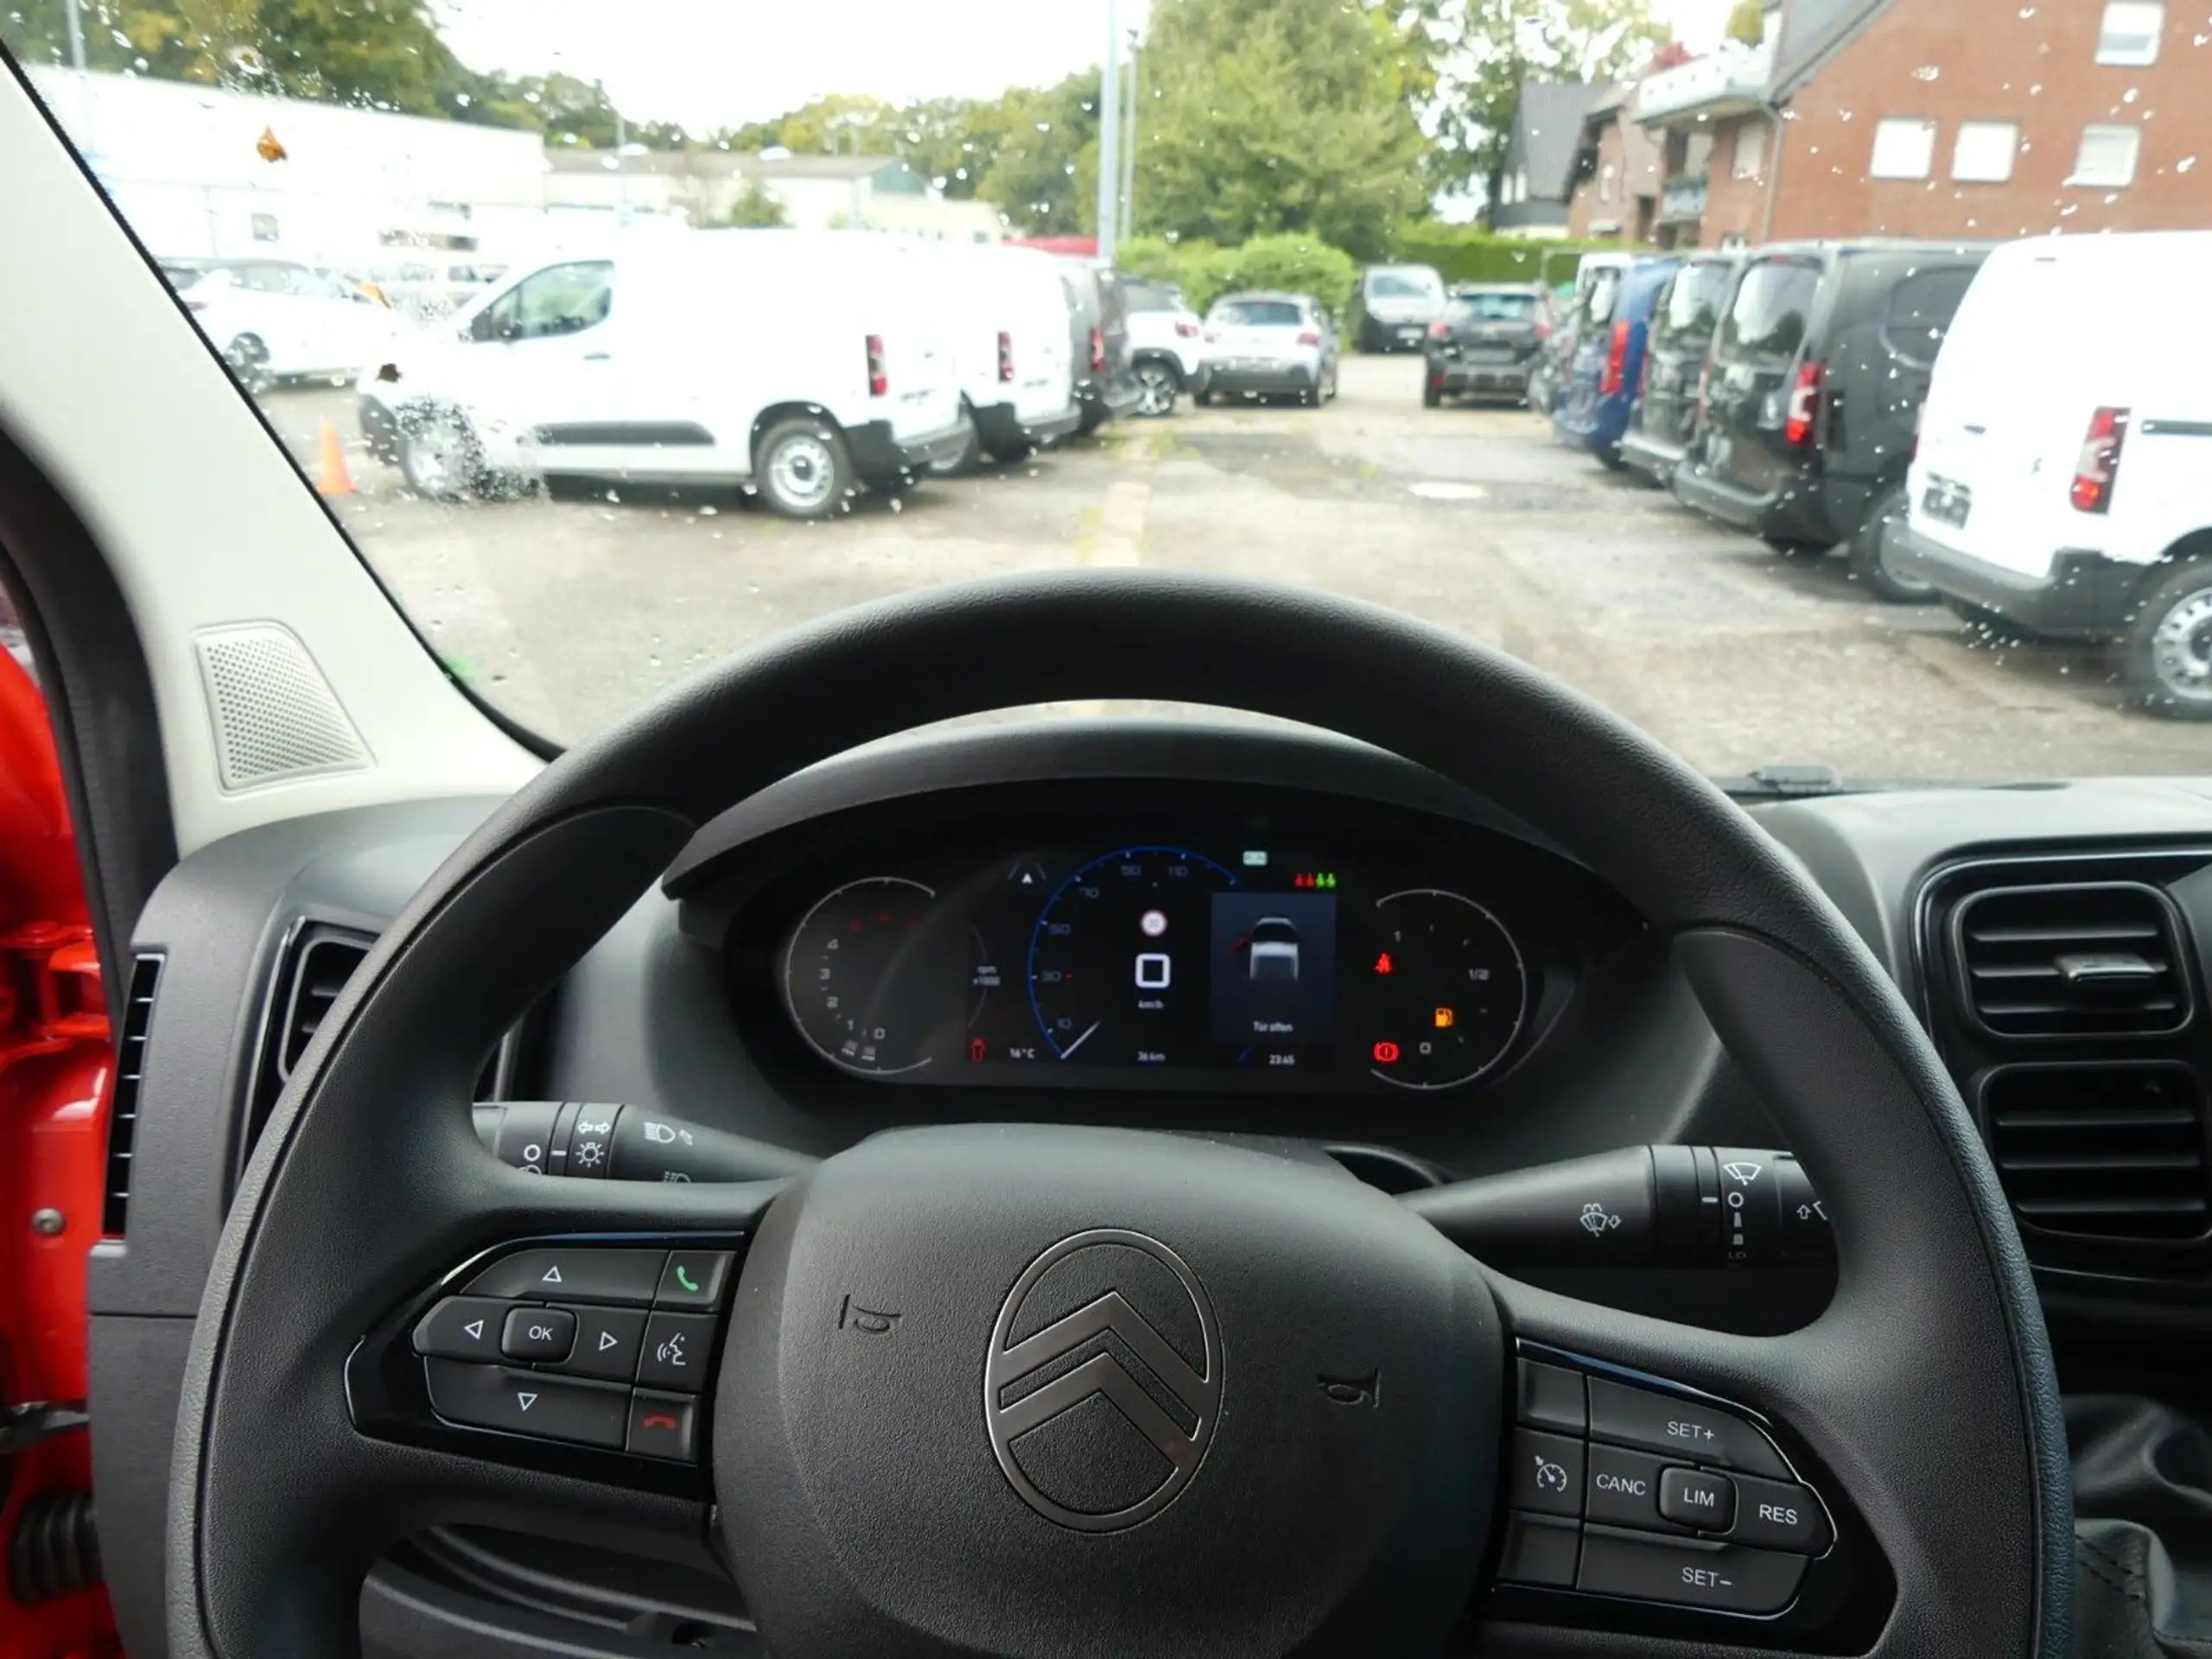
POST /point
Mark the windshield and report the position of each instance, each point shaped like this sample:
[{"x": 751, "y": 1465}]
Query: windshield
[{"x": 618, "y": 338}]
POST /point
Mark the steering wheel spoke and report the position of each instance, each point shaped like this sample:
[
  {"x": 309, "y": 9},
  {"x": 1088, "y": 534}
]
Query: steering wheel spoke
[{"x": 1656, "y": 1484}]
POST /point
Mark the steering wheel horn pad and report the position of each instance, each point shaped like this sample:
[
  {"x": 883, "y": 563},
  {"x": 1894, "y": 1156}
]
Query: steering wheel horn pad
[
  {"x": 882, "y": 1486},
  {"x": 1356, "y": 1360}
]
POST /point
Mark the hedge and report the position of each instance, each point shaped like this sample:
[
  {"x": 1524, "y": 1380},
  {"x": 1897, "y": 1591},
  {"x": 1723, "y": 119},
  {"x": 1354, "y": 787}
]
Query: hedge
[
  {"x": 1291, "y": 262},
  {"x": 1465, "y": 254}
]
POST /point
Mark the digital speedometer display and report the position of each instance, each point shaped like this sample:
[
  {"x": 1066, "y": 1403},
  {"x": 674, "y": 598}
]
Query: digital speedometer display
[{"x": 1156, "y": 956}]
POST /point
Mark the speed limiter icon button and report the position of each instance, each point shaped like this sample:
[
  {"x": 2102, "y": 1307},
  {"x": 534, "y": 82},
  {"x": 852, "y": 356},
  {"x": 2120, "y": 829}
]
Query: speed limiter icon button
[{"x": 1548, "y": 1473}]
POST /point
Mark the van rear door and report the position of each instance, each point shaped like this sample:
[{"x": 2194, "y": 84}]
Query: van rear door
[
  {"x": 1682, "y": 326},
  {"x": 1755, "y": 364},
  {"x": 1987, "y": 476}
]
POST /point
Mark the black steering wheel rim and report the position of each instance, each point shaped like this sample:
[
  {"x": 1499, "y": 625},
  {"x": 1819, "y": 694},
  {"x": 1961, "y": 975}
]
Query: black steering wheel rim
[{"x": 1927, "y": 1389}]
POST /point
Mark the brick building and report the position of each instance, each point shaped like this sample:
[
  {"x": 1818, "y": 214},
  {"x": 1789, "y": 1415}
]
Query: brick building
[{"x": 1973, "y": 118}]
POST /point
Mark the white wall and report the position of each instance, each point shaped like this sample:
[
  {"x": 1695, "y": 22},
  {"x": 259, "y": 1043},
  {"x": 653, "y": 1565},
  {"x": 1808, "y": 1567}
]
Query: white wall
[{"x": 180, "y": 160}]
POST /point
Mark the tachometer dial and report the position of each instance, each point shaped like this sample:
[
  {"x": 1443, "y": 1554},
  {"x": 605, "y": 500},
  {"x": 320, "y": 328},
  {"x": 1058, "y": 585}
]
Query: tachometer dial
[
  {"x": 1442, "y": 990},
  {"x": 1118, "y": 962},
  {"x": 876, "y": 979}
]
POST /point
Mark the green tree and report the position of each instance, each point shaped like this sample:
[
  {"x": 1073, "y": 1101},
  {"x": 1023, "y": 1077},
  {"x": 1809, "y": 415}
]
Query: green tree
[
  {"x": 1042, "y": 145},
  {"x": 757, "y": 209},
  {"x": 1480, "y": 51},
  {"x": 1267, "y": 116}
]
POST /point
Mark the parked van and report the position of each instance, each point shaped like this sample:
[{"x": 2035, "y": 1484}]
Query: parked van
[
  {"x": 1010, "y": 339},
  {"x": 1685, "y": 317},
  {"x": 1591, "y": 410},
  {"x": 1393, "y": 305},
  {"x": 1106, "y": 386},
  {"x": 1813, "y": 391},
  {"x": 804, "y": 364},
  {"x": 1588, "y": 306},
  {"x": 2064, "y": 482}
]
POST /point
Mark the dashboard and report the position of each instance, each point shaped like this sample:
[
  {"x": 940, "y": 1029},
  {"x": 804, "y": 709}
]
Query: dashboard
[
  {"x": 1176, "y": 936},
  {"x": 1179, "y": 925}
]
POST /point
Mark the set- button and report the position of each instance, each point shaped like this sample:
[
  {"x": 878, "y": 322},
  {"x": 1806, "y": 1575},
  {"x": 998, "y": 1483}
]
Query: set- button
[
  {"x": 1624, "y": 1491},
  {"x": 609, "y": 1347}
]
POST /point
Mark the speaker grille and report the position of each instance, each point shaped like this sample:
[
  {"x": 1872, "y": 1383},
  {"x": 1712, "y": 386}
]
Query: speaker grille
[{"x": 276, "y": 717}]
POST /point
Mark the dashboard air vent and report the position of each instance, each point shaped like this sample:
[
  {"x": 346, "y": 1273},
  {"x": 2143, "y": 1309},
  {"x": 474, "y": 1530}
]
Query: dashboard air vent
[
  {"x": 2102, "y": 959},
  {"x": 2102, "y": 1152},
  {"x": 122, "y": 1105},
  {"x": 322, "y": 961}
]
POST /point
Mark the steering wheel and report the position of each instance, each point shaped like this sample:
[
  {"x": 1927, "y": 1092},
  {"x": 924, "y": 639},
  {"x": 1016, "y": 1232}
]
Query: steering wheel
[{"x": 1348, "y": 1370}]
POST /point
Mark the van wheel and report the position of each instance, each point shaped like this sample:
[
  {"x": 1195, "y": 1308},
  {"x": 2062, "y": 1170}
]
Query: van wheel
[
  {"x": 1610, "y": 457},
  {"x": 247, "y": 358},
  {"x": 439, "y": 455},
  {"x": 1867, "y": 553},
  {"x": 1157, "y": 385},
  {"x": 801, "y": 469},
  {"x": 1203, "y": 396},
  {"x": 959, "y": 466},
  {"x": 2167, "y": 661}
]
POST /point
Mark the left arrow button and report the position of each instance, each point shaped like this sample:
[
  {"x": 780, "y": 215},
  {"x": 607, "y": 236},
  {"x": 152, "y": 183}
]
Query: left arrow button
[{"x": 461, "y": 1327}]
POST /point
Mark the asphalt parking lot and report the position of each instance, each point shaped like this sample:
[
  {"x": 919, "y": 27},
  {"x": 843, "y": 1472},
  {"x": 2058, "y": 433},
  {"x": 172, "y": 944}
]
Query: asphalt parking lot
[{"x": 570, "y": 611}]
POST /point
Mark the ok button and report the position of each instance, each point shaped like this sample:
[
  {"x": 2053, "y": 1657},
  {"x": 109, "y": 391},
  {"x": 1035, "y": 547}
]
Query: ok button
[{"x": 538, "y": 1333}]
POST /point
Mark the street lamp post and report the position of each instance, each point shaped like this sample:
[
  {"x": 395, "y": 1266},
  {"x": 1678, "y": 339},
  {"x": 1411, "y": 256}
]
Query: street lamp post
[
  {"x": 1110, "y": 136},
  {"x": 1127, "y": 222}
]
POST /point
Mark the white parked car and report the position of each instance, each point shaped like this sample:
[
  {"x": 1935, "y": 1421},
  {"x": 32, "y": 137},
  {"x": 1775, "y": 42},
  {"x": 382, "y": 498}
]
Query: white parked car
[
  {"x": 2062, "y": 482},
  {"x": 276, "y": 320},
  {"x": 429, "y": 288},
  {"x": 802, "y": 364},
  {"x": 1167, "y": 347},
  {"x": 1008, "y": 316},
  {"x": 1269, "y": 344}
]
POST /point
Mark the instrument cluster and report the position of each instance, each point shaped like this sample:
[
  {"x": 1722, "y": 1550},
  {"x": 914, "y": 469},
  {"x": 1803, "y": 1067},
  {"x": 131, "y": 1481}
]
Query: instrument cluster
[{"x": 1242, "y": 950}]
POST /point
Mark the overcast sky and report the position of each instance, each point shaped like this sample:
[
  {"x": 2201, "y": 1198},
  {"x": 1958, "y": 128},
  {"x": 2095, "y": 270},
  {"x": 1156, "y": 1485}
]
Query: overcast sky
[{"x": 715, "y": 63}]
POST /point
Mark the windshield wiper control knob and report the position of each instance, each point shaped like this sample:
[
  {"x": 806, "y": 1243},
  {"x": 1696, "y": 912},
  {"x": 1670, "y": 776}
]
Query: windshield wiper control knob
[
  {"x": 1641, "y": 1206},
  {"x": 585, "y": 1141}
]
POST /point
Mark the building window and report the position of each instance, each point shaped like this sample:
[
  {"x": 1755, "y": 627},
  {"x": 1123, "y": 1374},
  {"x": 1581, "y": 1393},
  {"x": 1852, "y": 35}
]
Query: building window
[
  {"x": 2106, "y": 158},
  {"x": 1983, "y": 153},
  {"x": 1751, "y": 150},
  {"x": 1605, "y": 182},
  {"x": 2131, "y": 31},
  {"x": 1904, "y": 147},
  {"x": 1520, "y": 184}
]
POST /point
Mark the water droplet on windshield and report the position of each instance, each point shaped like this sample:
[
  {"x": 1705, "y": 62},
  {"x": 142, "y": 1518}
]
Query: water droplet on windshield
[
  {"x": 2184, "y": 164},
  {"x": 1927, "y": 71}
]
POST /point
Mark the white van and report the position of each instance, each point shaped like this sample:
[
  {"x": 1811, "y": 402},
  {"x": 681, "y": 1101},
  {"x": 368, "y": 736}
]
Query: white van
[
  {"x": 1009, "y": 319},
  {"x": 2063, "y": 483},
  {"x": 804, "y": 363}
]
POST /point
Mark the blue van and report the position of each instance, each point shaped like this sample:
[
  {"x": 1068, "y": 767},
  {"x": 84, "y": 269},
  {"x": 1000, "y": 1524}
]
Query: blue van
[{"x": 1592, "y": 407}]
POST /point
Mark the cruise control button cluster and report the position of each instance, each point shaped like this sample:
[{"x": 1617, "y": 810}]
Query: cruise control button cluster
[
  {"x": 1618, "y": 1490},
  {"x": 593, "y": 1345}
]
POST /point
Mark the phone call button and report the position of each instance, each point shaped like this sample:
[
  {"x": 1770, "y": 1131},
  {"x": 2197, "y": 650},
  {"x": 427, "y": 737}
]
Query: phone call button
[
  {"x": 664, "y": 1426},
  {"x": 694, "y": 1279}
]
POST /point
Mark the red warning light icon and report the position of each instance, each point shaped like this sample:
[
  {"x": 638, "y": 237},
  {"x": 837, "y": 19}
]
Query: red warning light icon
[
  {"x": 1386, "y": 1054},
  {"x": 1383, "y": 965}
]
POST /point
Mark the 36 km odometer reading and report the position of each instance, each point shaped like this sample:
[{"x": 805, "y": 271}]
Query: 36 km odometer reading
[{"x": 1442, "y": 992}]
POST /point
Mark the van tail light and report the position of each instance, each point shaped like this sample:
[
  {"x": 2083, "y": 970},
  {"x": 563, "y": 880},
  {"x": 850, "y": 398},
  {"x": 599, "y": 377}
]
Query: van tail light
[
  {"x": 1309, "y": 336},
  {"x": 1804, "y": 405},
  {"x": 1186, "y": 331},
  {"x": 879, "y": 380},
  {"x": 1616, "y": 362},
  {"x": 1006, "y": 355},
  {"x": 1098, "y": 350},
  {"x": 2098, "y": 469},
  {"x": 1439, "y": 330}
]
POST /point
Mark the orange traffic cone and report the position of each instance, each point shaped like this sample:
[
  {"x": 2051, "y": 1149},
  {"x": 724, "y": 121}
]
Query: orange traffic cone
[{"x": 332, "y": 479}]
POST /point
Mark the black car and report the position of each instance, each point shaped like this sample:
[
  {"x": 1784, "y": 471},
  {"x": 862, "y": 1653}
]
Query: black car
[
  {"x": 1098, "y": 326},
  {"x": 1661, "y": 425},
  {"x": 1486, "y": 341},
  {"x": 1812, "y": 390}
]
